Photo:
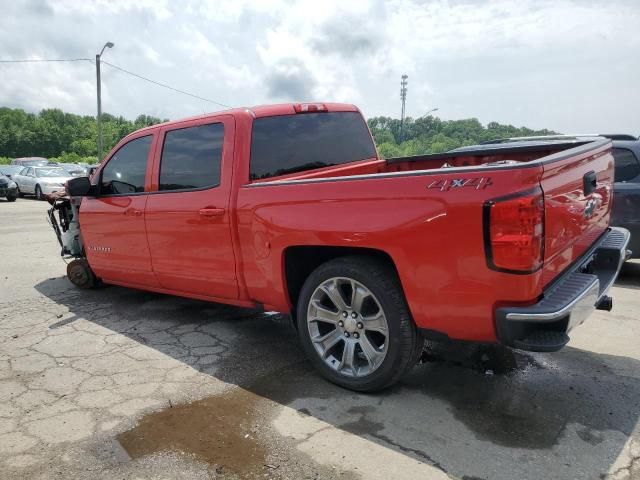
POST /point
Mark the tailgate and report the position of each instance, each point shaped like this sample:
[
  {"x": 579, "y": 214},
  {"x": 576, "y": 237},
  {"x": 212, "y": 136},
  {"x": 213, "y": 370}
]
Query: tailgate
[{"x": 578, "y": 187}]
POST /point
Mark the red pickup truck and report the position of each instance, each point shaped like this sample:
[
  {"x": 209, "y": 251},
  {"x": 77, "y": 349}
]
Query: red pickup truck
[{"x": 289, "y": 208}]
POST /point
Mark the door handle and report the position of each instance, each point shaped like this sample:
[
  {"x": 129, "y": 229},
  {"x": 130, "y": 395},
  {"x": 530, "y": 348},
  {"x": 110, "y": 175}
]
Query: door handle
[
  {"x": 589, "y": 182},
  {"x": 211, "y": 212},
  {"x": 133, "y": 212}
]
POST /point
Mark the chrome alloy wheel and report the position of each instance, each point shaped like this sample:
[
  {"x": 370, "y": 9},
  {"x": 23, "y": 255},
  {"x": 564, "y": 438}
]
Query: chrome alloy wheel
[{"x": 348, "y": 327}]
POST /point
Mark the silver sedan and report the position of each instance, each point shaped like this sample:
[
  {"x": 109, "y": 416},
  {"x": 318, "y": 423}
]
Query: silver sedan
[{"x": 39, "y": 181}]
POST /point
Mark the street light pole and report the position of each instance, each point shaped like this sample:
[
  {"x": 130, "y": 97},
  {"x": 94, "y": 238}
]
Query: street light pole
[
  {"x": 430, "y": 111},
  {"x": 99, "y": 92}
]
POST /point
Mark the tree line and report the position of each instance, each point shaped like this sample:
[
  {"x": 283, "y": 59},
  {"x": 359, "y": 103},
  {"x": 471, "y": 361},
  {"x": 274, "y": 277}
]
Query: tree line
[
  {"x": 433, "y": 135},
  {"x": 66, "y": 137},
  {"x": 60, "y": 136}
]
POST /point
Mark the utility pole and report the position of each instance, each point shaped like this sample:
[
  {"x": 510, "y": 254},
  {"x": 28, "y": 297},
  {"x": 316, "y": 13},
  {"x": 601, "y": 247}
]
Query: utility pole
[
  {"x": 99, "y": 92},
  {"x": 403, "y": 97}
]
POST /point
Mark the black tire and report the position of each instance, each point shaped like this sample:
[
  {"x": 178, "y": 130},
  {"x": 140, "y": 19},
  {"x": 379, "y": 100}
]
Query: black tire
[
  {"x": 39, "y": 195},
  {"x": 11, "y": 198},
  {"x": 404, "y": 342}
]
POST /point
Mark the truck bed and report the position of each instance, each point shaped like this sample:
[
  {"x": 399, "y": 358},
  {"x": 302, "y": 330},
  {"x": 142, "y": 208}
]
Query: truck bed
[
  {"x": 426, "y": 213},
  {"x": 465, "y": 158}
]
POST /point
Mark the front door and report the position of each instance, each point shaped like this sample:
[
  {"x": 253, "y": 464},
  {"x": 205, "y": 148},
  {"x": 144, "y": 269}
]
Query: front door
[
  {"x": 112, "y": 223},
  {"x": 187, "y": 214}
]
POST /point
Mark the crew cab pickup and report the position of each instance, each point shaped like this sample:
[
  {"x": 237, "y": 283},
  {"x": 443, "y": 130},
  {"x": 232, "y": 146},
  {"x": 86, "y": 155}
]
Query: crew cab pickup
[{"x": 289, "y": 208}]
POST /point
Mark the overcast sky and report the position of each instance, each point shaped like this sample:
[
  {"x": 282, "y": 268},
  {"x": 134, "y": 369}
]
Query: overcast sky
[{"x": 572, "y": 66}]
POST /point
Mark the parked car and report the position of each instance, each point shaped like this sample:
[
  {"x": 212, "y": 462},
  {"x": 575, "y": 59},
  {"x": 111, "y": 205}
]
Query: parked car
[
  {"x": 10, "y": 170},
  {"x": 91, "y": 169},
  {"x": 39, "y": 181},
  {"x": 289, "y": 208},
  {"x": 8, "y": 188},
  {"x": 74, "y": 169},
  {"x": 30, "y": 161},
  {"x": 626, "y": 203}
]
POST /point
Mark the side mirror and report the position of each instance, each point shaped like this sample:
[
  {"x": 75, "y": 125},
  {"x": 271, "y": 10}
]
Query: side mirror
[{"x": 79, "y": 187}]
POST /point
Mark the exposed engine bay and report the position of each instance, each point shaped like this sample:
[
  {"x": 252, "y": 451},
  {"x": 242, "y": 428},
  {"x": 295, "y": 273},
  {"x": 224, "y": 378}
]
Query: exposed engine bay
[{"x": 64, "y": 219}]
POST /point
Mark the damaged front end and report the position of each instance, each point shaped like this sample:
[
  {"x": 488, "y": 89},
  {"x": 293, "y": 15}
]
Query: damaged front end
[{"x": 64, "y": 219}]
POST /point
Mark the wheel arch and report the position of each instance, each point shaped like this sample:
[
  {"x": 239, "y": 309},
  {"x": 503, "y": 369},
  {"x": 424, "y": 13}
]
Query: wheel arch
[{"x": 299, "y": 261}]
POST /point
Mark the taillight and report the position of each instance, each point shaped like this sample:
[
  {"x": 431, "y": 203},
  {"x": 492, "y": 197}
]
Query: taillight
[
  {"x": 514, "y": 232},
  {"x": 309, "y": 107}
]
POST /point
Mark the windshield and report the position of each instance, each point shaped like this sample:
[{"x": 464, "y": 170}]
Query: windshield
[
  {"x": 33, "y": 163},
  {"x": 74, "y": 168},
  {"x": 51, "y": 172}
]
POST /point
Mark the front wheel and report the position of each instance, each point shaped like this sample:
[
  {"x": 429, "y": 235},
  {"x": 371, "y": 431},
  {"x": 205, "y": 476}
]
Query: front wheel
[
  {"x": 355, "y": 326},
  {"x": 39, "y": 195},
  {"x": 12, "y": 198}
]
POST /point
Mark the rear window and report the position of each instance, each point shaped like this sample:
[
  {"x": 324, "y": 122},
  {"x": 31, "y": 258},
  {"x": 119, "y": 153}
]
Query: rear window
[{"x": 294, "y": 143}]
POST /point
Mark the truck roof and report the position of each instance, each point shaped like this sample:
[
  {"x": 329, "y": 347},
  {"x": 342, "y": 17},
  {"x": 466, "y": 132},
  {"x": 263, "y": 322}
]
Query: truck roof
[{"x": 259, "y": 111}]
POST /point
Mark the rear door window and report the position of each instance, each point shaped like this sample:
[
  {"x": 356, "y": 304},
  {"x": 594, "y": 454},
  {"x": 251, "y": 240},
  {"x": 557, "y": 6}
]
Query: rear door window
[
  {"x": 191, "y": 157},
  {"x": 125, "y": 172},
  {"x": 626, "y": 165},
  {"x": 294, "y": 143}
]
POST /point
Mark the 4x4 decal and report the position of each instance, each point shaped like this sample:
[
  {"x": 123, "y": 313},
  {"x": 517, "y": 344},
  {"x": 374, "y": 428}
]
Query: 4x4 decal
[{"x": 444, "y": 185}]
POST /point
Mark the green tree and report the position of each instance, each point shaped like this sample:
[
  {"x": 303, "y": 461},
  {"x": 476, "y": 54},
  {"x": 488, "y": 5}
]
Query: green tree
[{"x": 53, "y": 133}]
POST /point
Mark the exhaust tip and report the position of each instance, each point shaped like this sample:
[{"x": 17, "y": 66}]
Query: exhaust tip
[{"x": 605, "y": 303}]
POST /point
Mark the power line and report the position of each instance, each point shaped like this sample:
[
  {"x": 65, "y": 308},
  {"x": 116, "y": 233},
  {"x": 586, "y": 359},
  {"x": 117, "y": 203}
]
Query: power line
[
  {"x": 117, "y": 68},
  {"x": 165, "y": 86},
  {"x": 48, "y": 60}
]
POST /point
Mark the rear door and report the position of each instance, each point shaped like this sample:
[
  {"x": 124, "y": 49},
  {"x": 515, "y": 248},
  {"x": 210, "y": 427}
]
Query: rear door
[
  {"x": 578, "y": 188},
  {"x": 112, "y": 224},
  {"x": 187, "y": 216}
]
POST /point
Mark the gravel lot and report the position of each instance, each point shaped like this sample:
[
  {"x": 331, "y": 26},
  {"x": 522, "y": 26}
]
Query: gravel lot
[{"x": 117, "y": 383}]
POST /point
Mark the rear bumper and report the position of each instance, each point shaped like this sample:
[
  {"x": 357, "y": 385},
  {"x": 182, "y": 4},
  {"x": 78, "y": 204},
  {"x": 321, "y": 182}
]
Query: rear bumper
[
  {"x": 634, "y": 244},
  {"x": 569, "y": 300}
]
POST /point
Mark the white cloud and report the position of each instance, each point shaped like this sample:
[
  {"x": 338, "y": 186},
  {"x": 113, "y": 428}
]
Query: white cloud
[{"x": 562, "y": 64}]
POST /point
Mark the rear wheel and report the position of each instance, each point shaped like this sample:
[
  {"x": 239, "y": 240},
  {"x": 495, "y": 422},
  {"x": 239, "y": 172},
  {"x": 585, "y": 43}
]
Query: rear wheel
[
  {"x": 39, "y": 195},
  {"x": 355, "y": 326},
  {"x": 12, "y": 198}
]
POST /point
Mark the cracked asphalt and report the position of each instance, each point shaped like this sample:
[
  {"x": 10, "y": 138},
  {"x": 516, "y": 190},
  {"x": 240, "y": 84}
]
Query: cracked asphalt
[{"x": 118, "y": 383}]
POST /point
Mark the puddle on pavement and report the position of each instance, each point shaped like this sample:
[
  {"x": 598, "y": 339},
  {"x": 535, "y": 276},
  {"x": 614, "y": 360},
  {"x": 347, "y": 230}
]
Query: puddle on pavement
[
  {"x": 219, "y": 430},
  {"x": 484, "y": 358}
]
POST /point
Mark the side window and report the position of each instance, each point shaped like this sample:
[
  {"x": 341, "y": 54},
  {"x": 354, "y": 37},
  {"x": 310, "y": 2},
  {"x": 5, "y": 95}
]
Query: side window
[
  {"x": 30, "y": 172},
  {"x": 626, "y": 165},
  {"x": 125, "y": 171},
  {"x": 191, "y": 157}
]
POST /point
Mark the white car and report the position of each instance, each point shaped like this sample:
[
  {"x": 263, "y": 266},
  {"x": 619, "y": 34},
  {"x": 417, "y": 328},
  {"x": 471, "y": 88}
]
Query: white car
[{"x": 39, "y": 181}]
